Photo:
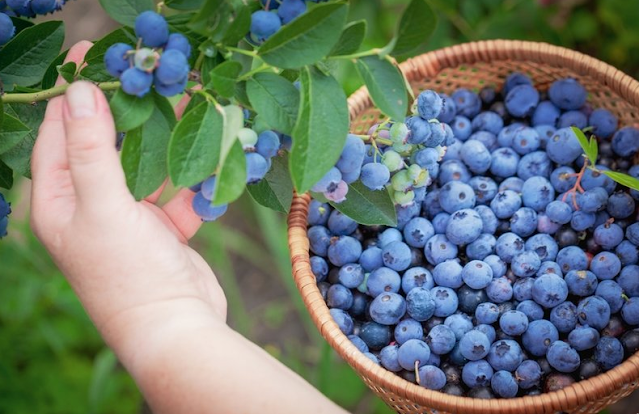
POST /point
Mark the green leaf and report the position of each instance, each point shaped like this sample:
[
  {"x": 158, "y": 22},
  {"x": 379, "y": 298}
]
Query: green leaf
[
  {"x": 18, "y": 157},
  {"x": 125, "y": 11},
  {"x": 385, "y": 84},
  {"x": 25, "y": 59},
  {"x": 321, "y": 128},
  {"x": 67, "y": 71},
  {"x": 366, "y": 206},
  {"x": 194, "y": 148},
  {"x": 184, "y": 4},
  {"x": 351, "y": 39},
  {"x": 104, "y": 365},
  {"x": 306, "y": 39},
  {"x": 181, "y": 23},
  {"x": 13, "y": 131},
  {"x": 239, "y": 27},
  {"x": 129, "y": 111},
  {"x": 417, "y": 24},
  {"x": 51, "y": 75},
  {"x": 21, "y": 24},
  {"x": 275, "y": 99},
  {"x": 208, "y": 18},
  {"x": 6, "y": 176},
  {"x": 589, "y": 147},
  {"x": 231, "y": 177},
  {"x": 145, "y": 150},
  {"x": 224, "y": 76},
  {"x": 275, "y": 191},
  {"x": 623, "y": 179}
]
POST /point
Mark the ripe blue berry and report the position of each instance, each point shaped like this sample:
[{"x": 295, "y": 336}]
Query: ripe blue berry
[
  {"x": 136, "y": 82},
  {"x": 477, "y": 373},
  {"x": 152, "y": 28},
  {"x": 609, "y": 352},
  {"x": 549, "y": 290},
  {"x": 207, "y": 212},
  {"x": 383, "y": 280},
  {"x": 567, "y": 94},
  {"x": 594, "y": 311},
  {"x": 289, "y": 10},
  {"x": 504, "y": 384},
  {"x": 173, "y": 67},
  {"x": 7, "y": 29},
  {"x": 170, "y": 90},
  {"x": 522, "y": 100},
  {"x": 413, "y": 352},
  {"x": 117, "y": 60},
  {"x": 539, "y": 336},
  {"x": 256, "y": 167},
  {"x": 420, "y": 304},
  {"x": 563, "y": 357},
  {"x": 387, "y": 308},
  {"x": 429, "y": 104},
  {"x": 474, "y": 345},
  {"x": 431, "y": 377},
  {"x": 264, "y": 24},
  {"x": 180, "y": 43},
  {"x": 375, "y": 176}
]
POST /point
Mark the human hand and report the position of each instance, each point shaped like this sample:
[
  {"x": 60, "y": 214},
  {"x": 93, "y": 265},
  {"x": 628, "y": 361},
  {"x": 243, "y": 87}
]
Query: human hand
[{"x": 128, "y": 261}]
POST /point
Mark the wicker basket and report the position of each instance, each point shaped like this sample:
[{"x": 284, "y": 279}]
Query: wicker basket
[{"x": 474, "y": 65}]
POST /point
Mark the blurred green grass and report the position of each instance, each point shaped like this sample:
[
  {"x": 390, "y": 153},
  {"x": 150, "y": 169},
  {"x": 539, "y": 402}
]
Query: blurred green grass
[{"x": 53, "y": 361}]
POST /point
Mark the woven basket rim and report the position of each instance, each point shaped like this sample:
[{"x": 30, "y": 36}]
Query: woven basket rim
[{"x": 424, "y": 66}]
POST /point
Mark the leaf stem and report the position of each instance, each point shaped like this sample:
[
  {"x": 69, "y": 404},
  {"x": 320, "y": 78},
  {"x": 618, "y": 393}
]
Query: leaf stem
[
  {"x": 365, "y": 53},
  {"x": 250, "y": 53},
  {"x": 199, "y": 61},
  {"x": 252, "y": 72},
  {"x": 30, "y": 98},
  {"x": 369, "y": 138}
]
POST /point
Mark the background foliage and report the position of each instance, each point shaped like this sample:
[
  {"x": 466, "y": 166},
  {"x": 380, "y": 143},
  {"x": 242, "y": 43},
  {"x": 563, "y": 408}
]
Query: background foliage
[{"x": 53, "y": 361}]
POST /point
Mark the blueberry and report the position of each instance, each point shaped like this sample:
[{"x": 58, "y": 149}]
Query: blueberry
[
  {"x": 477, "y": 274},
  {"x": 593, "y": 311},
  {"x": 319, "y": 239},
  {"x": 470, "y": 298},
  {"x": 152, "y": 28},
  {"x": 462, "y": 127},
  {"x": 504, "y": 162},
  {"x": 431, "y": 377},
  {"x": 256, "y": 167},
  {"x": 180, "y": 43},
  {"x": 524, "y": 222},
  {"x": 387, "y": 308},
  {"x": 621, "y": 205},
  {"x": 559, "y": 212},
  {"x": 291, "y": 9},
  {"x": 604, "y": 123},
  {"x": 453, "y": 170},
  {"x": 567, "y": 94},
  {"x": 563, "y": 179},
  {"x": 572, "y": 258},
  {"x": 136, "y": 82},
  {"x": 630, "y": 311},
  {"x": 389, "y": 358},
  {"x": 488, "y": 121},
  {"x": 264, "y": 24},
  {"x": 512, "y": 183},
  {"x": 581, "y": 282},
  {"x": 343, "y": 320},
  {"x": 515, "y": 79},
  {"x": 448, "y": 111},
  {"x": 383, "y": 280},
  {"x": 539, "y": 336},
  {"x": 21, "y": 7},
  {"x": 268, "y": 144},
  {"x": 630, "y": 341},
  {"x": 474, "y": 345},
  {"x": 340, "y": 297},
  {"x": 563, "y": 357},
  {"x": 564, "y": 317},
  {"x": 534, "y": 164},
  {"x": 477, "y": 373},
  {"x": 522, "y": 100},
  {"x": 329, "y": 181},
  {"x": 446, "y": 301},
  {"x": 467, "y": 103},
  {"x": 549, "y": 290},
  {"x": 581, "y": 220},
  {"x": 429, "y": 104},
  {"x": 420, "y": 304},
  {"x": 482, "y": 247},
  {"x": 487, "y": 313},
  {"x": 408, "y": 329},
  {"x": 528, "y": 374},
  {"x": 508, "y": 246},
  {"x": 413, "y": 353},
  {"x": 563, "y": 147},
  {"x": 485, "y": 188},
  {"x": 608, "y": 235},
  {"x": 557, "y": 381},
  {"x": 609, "y": 352},
  {"x": 396, "y": 255},
  {"x": 417, "y": 232},
  {"x": 172, "y": 67},
  {"x": 545, "y": 133},
  {"x": 207, "y": 212},
  {"x": 7, "y": 29},
  {"x": 499, "y": 290},
  {"x": 375, "y": 335},
  {"x": 359, "y": 344},
  {"x": 319, "y": 267},
  {"x": 537, "y": 193},
  {"x": 440, "y": 221},
  {"x": 504, "y": 384},
  {"x": 464, "y": 227},
  {"x": 530, "y": 308},
  {"x": 351, "y": 275},
  {"x": 416, "y": 277},
  {"x": 588, "y": 369},
  {"x": 522, "y": 289},
  {"x": 546, "y": 113},
  {"x": 572, "y": 118},
  {"x": 513, "y": 323},
  {"x": 526, "y": 140},
  {"x": 496, "y": 264},
  {"x": 375, "y": 176},
  {"x": 439, "y": 249},
  {"x": 627, "y": 253},
  {"x": 593, "y": 179},
  {"x": 612, "y": 293},
  {"x": 448, "y": 274},
  {"x": 583, "y": 337},
  {"x": 344, "y": 249}
]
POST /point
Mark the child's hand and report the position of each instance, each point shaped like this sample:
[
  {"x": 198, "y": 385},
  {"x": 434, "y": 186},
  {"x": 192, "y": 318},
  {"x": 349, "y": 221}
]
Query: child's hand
[{"x": 126, "y": 260}]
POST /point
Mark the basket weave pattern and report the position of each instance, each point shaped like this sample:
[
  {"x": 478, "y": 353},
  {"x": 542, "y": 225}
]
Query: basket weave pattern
[{"x": 473, "y": 66}]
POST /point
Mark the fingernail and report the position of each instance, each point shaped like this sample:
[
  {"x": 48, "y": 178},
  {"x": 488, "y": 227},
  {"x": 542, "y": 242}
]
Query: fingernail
[{"x": 80, "y": 100}]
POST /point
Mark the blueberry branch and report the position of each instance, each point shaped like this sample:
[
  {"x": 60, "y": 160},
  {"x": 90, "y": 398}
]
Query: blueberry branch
[
  {"x": 365, "y": 53},
  {"x": 30, "y": 98}
]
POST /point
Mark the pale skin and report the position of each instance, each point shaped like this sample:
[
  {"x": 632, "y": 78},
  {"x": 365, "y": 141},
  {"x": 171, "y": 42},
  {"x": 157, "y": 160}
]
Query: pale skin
[{"x": 155, "y": 301}]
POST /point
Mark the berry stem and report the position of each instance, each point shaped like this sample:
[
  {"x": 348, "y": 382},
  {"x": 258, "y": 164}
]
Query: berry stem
[
  {"x": 30, "y": 98},
  {"x": 252, "y": 72},
  {"x": 369, "y": 138},
  {"x": 577, "y": 185}
]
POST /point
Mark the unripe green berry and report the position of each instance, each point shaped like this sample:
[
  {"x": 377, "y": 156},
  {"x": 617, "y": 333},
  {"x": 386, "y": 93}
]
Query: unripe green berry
[
  {"x": 398, "y": 133},
  {"x": 403, "y": 149},
  {"x": 146, "y": 59},
  {"x": 247, "y": 137},
  {"x": 392, "y": 160},
  {"x": 422, "y": 180},
  {"x": 403, "y": 198},
  {"x": 401, "y": 181}
]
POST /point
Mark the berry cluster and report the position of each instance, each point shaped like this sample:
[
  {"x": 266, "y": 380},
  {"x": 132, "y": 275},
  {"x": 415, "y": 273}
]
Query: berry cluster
[
  {"x": 518, "y": 272},
  {"x": 163, "y": 62},
  {"x": 259, "y": 150},
  {"x": 23, "y": 8},
  {"x": 275, "y": 13},
  {"x": 5, "y": 210}
]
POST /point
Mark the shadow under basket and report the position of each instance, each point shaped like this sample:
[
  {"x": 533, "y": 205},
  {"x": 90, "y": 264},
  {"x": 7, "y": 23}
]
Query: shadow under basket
[{"x": 473, "y": 66}]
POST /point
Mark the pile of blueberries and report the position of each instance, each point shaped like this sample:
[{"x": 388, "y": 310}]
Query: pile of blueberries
[
  {"x": 275, "y": 14},
  {"x": 517, "y": 272},
  {"x": 259, "y": 151},
  {"x": 163, "y": 62},
  {"x": 5, "y": 210},
  {"x": 23, "y": 8}
]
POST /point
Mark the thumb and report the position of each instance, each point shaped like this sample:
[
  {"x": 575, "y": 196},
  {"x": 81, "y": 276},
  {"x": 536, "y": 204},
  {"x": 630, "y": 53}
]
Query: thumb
[{"x": 95, "y": 167}]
